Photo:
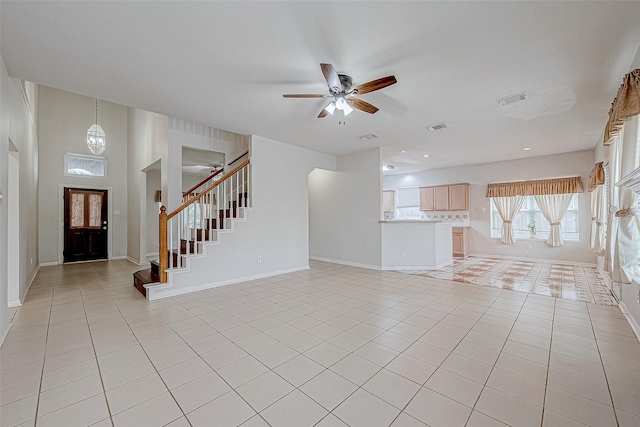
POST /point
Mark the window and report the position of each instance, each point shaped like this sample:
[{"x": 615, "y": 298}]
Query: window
[
  {"x": 531, "y": 212},
  {"x": 82, "y": 165},
  {"x": 408, "y": 203}
]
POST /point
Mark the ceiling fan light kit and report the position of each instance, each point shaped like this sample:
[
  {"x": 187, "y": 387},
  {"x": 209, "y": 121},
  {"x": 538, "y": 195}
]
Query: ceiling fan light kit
[{"x": 342, "y": 92}]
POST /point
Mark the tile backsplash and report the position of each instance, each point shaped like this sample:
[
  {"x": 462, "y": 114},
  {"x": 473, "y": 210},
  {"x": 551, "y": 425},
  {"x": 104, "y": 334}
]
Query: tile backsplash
[{"x": 457, "y": 218}]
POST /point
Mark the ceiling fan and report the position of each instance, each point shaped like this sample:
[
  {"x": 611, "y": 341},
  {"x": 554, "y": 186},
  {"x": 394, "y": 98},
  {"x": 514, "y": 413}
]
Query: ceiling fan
[{"x": 342, "y": 92}]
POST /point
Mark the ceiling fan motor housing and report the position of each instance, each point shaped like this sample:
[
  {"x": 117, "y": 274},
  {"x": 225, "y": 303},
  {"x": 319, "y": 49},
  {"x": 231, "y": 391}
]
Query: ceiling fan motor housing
[{"x": 346, "y": 82}]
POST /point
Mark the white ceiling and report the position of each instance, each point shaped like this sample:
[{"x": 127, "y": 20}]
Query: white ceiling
[{"x": 227, "y": 64}]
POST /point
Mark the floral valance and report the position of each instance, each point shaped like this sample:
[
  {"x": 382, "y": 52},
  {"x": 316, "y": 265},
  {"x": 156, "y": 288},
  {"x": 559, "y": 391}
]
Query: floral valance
[
  {"x": 536, "y": 188},
  {"x": 596, "y": 177},
  {"x": 625, "y": 105}
]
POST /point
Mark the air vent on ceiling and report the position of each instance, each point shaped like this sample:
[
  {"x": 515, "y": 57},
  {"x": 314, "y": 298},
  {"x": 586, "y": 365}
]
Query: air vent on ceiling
[
  {"x": 368, "y": 137},
  {"x": 511, "y": 99},
  {"x": 438, "y": 126}
]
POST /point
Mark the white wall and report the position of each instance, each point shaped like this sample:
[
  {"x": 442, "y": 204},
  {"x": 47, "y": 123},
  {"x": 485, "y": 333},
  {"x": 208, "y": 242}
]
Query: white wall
[
  {"x": 478, "y": 176},
  {"x": 277, "y": 226},
  {"x": 147, "y": 135},
  {"x": 64, "y": 120},
  {"x": 18, "y": 122},
  {"x": 153, "y": 184},
  {"x": 345, "y": 207}
]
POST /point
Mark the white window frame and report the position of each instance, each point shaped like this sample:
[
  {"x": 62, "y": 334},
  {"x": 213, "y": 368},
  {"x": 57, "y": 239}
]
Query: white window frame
[
  {"x": 531, "y": 211},
  {"x": 70, "y": 157}
]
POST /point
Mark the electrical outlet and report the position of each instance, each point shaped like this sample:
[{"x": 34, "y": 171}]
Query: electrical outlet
[
  {"x": 638, "y": 296},
  {"x": 31, "y": 260},
  {"x": 402, "y": 252},
  {"x": 259, "y": 258}
]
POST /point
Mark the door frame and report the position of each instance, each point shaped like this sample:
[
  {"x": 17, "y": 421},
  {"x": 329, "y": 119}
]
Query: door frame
[{"x": 109, "y": 189}]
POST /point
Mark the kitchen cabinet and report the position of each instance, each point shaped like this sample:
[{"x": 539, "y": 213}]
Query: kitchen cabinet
[
  {"x": 458, "y": 197},
  {"x": 426, "y": 199},
  {"x": 445, "y": 198},
  {"x": 388, "y": 201},
  {"x": 441, "y": 198},
  {"x": 460, "y": 241}
]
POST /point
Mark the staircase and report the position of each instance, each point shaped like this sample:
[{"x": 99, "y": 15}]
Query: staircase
[{"x": 208, "y": 210}]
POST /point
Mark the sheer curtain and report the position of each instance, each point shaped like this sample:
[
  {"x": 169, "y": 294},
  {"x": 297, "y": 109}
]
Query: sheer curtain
[
  {"x": 508, "y": 208},
  {"x": 596, "y": 239},
  {"x": 553, "y": 207}
]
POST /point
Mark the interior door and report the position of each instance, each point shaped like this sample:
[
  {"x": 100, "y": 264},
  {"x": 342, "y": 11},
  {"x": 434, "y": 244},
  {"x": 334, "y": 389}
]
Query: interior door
[{"x": 85, "y": 224}]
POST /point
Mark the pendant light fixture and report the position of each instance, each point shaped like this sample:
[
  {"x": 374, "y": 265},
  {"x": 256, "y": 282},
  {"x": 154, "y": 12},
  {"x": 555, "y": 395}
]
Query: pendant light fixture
[{"x": 96, "y": 139}]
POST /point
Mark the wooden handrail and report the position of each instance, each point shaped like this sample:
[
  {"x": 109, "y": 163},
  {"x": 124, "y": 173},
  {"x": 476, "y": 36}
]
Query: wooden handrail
[
  {"x": 202, "y": 182},
  {"x": 197, "y": 197},
  {"x": 238, "y": 158},
  {"x": 164, "y": 251}
]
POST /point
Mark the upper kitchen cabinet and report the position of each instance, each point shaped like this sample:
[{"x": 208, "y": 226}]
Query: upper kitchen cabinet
[
  {"x": 426, "y": 199},
  {"x": 445, "y": 198},
  {"x": 459, "y": 197},
  {"x": 388, "y": 201},
  {"x": 441, "y": 198}
]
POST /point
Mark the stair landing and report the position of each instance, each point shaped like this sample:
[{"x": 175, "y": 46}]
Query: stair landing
[{"x": 144, "y": 277}]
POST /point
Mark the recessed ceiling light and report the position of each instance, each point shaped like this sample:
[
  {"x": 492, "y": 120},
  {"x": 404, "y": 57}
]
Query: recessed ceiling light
[
  {"x": 437, "y": 126},
  {"x": 512, "y": 98},
  {"x": 527, "y": 148},
  {"x": 425, "y": 156},
  {"x": 403, "y": 151}
]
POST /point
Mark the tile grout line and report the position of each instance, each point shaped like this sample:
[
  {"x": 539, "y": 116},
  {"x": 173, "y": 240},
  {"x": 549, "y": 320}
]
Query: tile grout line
[{"x": 606, "y": 377}]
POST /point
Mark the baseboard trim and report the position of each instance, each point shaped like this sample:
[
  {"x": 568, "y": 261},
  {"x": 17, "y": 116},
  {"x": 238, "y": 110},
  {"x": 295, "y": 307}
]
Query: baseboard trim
[
  {"x": 118, "y": 257},
  {"x": 349, "y": 263},
  {"x": 153, "y": 289},
  {"x": 418, "y": 268},
  {"x": 632, "y": 322},
  {"x": 133, "y": 260},
  {"x": 15, "y": 303},
  {"x": 150, "y": 254},
  {"x": 518, "y": 258},
  {"x": 4, "y": 334},
  {"x": 47, "y": 264},
  {"x": 26, "y": 291}
]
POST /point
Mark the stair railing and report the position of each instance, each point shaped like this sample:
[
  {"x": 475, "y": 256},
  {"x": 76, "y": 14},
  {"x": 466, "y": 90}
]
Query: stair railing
[
  {"x": 201, "y": 216},
  {"x": 192, "y": 191}
]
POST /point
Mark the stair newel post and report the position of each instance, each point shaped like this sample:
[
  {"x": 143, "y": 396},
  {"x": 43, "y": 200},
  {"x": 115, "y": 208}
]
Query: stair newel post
[{"x": 164, "y": 251}]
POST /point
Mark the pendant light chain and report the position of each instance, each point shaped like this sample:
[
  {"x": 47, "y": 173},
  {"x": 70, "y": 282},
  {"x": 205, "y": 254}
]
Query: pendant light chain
[{"x": 96, "y": 138}]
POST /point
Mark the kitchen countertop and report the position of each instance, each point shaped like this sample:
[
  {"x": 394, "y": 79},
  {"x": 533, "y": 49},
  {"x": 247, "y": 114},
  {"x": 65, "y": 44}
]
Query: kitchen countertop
[{"x": 410, "y": 221}]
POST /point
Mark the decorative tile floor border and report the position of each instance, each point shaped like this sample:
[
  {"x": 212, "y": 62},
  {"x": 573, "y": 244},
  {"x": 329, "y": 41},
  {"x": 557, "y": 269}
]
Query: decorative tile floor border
[{"x": 572, "y": 282}]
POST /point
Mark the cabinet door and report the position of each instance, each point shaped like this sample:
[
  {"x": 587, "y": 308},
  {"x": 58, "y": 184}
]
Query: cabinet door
[
  {"x": 426, "y": 198},
  {"x": 458, "y": 197},
  {"x": 388, "y": 201},
  {"x": 457, "y": 244},
  {"x": 441, "y": 198}
]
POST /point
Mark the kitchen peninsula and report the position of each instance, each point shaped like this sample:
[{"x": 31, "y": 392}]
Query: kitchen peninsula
[{"x": 416, "y": 245}]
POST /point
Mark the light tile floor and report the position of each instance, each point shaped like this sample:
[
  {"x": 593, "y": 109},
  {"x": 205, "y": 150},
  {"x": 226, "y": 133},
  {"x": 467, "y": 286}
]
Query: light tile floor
[
  {"x": 558, "y": 280},
  {"x": 332, "y": 346}
]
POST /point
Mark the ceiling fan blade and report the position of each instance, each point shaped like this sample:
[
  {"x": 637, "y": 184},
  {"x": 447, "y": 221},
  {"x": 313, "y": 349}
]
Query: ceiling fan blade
[
  {"x": 306, "y": 95},
  {"x": 323, "y": 113},
  {"x": 332, "y": 78},
  {"x": 375, "y": 85},
  {"x": 362, "y": 105}
]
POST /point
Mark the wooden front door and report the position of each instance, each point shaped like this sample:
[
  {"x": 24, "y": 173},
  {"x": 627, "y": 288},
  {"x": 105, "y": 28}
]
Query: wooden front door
[{"x": 85, "y": 224}]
